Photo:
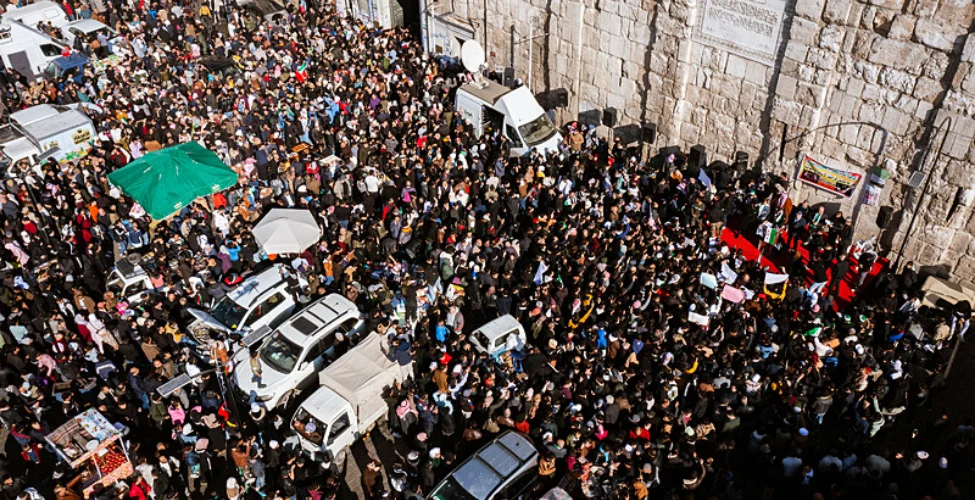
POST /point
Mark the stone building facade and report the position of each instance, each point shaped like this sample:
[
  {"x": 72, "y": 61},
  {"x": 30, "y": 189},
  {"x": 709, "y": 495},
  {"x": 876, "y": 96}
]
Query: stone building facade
[{"x": 857, "y": 84}]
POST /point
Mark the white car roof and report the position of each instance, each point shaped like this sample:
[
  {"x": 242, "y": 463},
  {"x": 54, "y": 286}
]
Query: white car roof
[
  {"x": 69, "y": 120},
  {"x": 34, "y": 7},
  {"x": 254, "y": 287},
  {"x": 33, "y": 114},
  {"x": 19, "y": 149},
  {"x": 86, "y": 25},
  {"x": 323, "y": 404},
  {"x": 496, "y": 328},
  {"x": 320, "y": 315}
]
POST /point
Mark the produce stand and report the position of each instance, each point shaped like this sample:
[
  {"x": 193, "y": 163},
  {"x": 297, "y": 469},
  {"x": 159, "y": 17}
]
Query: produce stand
[{"x": 93, "y": 447}]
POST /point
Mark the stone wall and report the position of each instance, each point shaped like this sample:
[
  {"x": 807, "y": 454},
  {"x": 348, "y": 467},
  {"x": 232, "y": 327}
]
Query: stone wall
[{"x": 855, "y": 83}]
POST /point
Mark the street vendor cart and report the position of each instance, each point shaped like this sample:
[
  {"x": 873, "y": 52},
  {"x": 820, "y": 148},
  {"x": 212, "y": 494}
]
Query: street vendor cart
[{"x": 95, "y": 450}]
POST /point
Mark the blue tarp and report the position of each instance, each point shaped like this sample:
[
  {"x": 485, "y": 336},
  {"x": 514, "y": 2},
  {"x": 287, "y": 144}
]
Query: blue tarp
[{"x": 73, "y": 61}]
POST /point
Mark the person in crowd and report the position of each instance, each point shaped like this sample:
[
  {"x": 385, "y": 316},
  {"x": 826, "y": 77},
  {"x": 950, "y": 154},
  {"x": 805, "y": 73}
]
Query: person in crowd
[{"x": 657, "y": 361}]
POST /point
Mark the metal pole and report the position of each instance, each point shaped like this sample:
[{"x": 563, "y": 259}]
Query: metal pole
[
  {"x": 228, "y": 395},
  {"x": 37, "y": 206},
  {"x": 951, "y": 360},
  {"x": 432, "y": 39},
  {"x": 531, "y": 46},
  {"x": 424, "y": 40},
  {"x": 924, "y": 190},
  {"x": 44, "y": 214}
]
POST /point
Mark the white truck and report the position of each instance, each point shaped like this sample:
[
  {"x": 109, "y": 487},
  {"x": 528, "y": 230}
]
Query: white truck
[
  {"x": 350, "y": 399},
  {"x": 38, "y": 12},
  {"x": 27, "y": 50},
  {"x": 40, "y": 128},
  {"x": 490, "y": 106}
]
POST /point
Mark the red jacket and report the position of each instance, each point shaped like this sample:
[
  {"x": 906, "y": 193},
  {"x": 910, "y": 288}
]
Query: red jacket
[
  {"x": 640, "y": 433},
  {"x": 140, "y": 490}
]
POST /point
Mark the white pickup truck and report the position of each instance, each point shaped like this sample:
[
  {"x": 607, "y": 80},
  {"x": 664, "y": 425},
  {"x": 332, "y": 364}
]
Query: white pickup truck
[{"x": 350, "y": 399}]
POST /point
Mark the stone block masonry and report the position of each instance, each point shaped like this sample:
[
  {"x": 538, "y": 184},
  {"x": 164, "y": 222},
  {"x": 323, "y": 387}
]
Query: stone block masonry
[{"x": 836, "y": 79}]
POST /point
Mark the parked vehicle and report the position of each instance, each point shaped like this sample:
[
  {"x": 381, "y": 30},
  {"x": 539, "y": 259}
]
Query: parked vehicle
[
  {"x": 499, "y": 336},
  {"x": 71, "y": 67},
  {"x": 514, "y": 112},
  {"x": 38, "y": 12},
  {"x": 350, "y": 399},
  {"x": 40, "y": 128},
  {"x": 269, "y": 10},
  {"x": 26, "y": 49},
  {"x": 88, "y": 30},
  {"x": 291, "y": 356},
  {"x": 47, "y": 126},
  {"x": 220, "y": 66},
  {"x": 129, "y": 281},
  {"x": 262, "y": 300},
  {"x": 506, "y": 468}
]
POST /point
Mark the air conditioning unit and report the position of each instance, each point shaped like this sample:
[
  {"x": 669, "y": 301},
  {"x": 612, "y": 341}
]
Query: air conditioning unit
[{"x": 917, "y": 178}]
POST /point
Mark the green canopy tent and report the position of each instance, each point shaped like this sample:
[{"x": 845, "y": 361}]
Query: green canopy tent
[{"x": 165, "y": 181}]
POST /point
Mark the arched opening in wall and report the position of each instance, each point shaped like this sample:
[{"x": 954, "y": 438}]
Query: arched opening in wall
[{"x": 411, "y": 15}]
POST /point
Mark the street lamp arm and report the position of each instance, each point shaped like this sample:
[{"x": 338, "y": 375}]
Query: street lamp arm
[{"x": 883, "y": 139}]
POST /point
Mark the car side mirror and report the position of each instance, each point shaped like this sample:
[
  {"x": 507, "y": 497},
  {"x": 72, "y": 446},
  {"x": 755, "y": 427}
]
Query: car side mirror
[{"x": 303, "y": 366}]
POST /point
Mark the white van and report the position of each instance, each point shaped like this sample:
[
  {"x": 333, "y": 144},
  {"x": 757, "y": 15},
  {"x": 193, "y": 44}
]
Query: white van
[
  {"x": 27, "y": 50},
  {"x": 39, "y": 12},
  {"x": 292, "y": 355},
  {"x": 261, "y": 300},
  {"x": 499, "y": 336},
  {"x": 490, "y": 106},
  {"x": 40, "y": 128},
  {"x": 350, "y": 399}
]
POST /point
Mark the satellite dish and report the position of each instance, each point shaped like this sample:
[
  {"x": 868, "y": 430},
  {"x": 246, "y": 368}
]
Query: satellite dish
[{"x": 472, "y": 54}]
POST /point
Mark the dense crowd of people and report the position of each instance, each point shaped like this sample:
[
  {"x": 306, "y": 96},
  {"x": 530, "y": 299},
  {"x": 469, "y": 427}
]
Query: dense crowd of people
[{"x": 660, "y": 362}]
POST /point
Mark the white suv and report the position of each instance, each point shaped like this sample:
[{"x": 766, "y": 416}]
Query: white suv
[
  {"x": 292, "y": 355},
  {"x": 262, "y": 300}
]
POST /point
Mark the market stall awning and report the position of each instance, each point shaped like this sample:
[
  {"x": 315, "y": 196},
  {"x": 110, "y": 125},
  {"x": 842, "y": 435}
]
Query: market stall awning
[
  {"x": 287, "y": 230},
  {"x": 82, "y": 436},
  {"x": 165, "y": 181}
]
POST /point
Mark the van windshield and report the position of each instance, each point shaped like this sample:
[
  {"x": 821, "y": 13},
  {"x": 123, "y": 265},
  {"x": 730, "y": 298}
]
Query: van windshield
[
  {"x": 537, "y": 131},
  {"x": 228, "y": 312}
]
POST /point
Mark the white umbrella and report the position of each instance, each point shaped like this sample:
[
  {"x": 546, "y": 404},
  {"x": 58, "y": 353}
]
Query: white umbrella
[{"x": 287, "y": 230}]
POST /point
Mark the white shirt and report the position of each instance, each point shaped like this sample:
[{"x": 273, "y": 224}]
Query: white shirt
[
  {"x": 372, "y": 184},
  {"x": 828, "y": 460},
  {"x": 878, "y": 464},
  {"x": 791, "y": 466},
  {"x": 565, "y": 187}
]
